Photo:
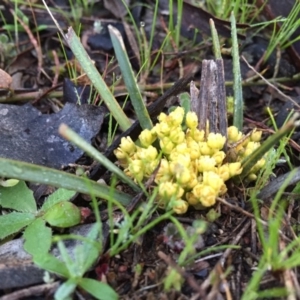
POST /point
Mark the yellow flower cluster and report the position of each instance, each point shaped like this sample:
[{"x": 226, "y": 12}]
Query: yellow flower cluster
[
  {"x": 243, "y": 146},
  {"x": 191, "y": 166}
]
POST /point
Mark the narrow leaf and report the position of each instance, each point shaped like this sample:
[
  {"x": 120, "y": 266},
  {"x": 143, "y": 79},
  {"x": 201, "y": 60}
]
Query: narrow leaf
[
  {"x": 129, "y": 78},
  {"x": 96, "y": 79},
  {"x": 237, "y": 78},
  {"x": 98, "y": 289},
  {"x": 65, "y": 290},
  {"x": 39, "y": 174}
]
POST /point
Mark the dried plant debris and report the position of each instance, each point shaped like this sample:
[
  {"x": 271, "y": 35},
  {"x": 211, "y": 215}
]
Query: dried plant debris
[{"x": 30, "y": 136}]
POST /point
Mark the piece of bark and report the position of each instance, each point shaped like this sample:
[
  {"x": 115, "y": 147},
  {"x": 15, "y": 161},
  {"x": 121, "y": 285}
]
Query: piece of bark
[{"x": 211, "y": 103}]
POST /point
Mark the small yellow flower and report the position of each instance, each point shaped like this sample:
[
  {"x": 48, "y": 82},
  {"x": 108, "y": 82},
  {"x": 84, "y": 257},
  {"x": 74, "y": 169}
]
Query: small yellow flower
[
  {"x": 147, "y": 138},
  {"x": 182, "y": 173},
  {"x": 191, "y": 198},
  {"x": 192, "y": 182},
  {"x": 219, "y": 157},
  {"x": 191, "y": 120},
  {"x": 180, "y": 206},
  {"x": 127, "y": 145},
  {"x": 136, "y": 168},
  {"x": 162, "y": 129},
  {"x": 206, "y": 194},
  {"x": 205, "y": 149},
  {"x": 233, "y": 134},
  {"x": 176, "y": 116},
  {"x": 235, "y": 168},
  {"x": 162, "y": 117},
  {"x": 147, "y": 154},
  {"x": 251, "y": 177},
  {"x": 168, "y": 189},
  {"x": 196, "y": 134},
  {"x": 183, "y": 159},
  {"x": 258, "y": 166},
  {"x": 163, "y": 174},
  {"x": 120, "y": 154},
  {"x": 177, "y": 135},
  {"x": 206, "y": 163},
  {"x": 166, "y": 145},
  {"x": 181, "y": 148},
  {"x": 194, "y": 150},
  {"x": 256, "y": 136},
  {"x": 213, "y": 180},
  {"x": 216, "y": 141},
  {"x": 223, "y": 172}
]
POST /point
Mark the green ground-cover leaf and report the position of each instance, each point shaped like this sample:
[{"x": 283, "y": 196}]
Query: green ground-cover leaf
[
  {"x": 37, "y": 238},
  {"x": 59, "y": 195},
  {"x": 63, "y": 214},
  {"x": 65, "y": 290},
  {"x": 98, "y": 289},
  {"x": 51, "y": 264},
  {"x": 14, "y": 222},
  {"x": 18, "y": 197}
]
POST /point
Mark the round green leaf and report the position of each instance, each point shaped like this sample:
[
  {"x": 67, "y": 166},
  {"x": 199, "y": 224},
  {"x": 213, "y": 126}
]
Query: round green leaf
[{"x": 63, "y": 214}]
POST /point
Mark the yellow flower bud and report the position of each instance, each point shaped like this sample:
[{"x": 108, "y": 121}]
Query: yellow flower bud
[
  {"x": 195, "y": 134},
  {"x": 181, "y": 148},
  {"x": 183, "y": 175},
  {"x": 122, "y": 157},
  {"x": 194, "y": 150},
  {"x": 216, "y": 141},
  {"x": 223, "y": 172},
  {"x": 147, "y": 154},
  {"x": 256, "y": 136},
  {"x": 167, "y": 190},
  {"x": 258, "y": 166},
  {"x": 147, "y": 138},
  {"x": 191, "y": 198},
  {"x": 162, "y": 129},
  {"x": 204, "y": 149},
  {"x": 166, "y": 145},
  {"x": 233, "y": 134},
  {"x": 163, "y": 173},
  {"x": 213, "y": 180},
  {"x": 176, "y": 116},
  {"x": 206, "y": 194},
  {"x": 177, "y": 135},
  {"x": 192, "y": 182},
  {"x": 235, "y": 169},
  {"x": 127, "y": 145},
  {"x": 251, "y": 177},
  {"x": 206, "y": 163},
  {"x": 183, "y": 159},
  {"x": 219, "y": 157},
  {"x": 120, "y": 154},
  {"x": 162, "y": 117},
  {"x": 136, "y": 168},
  {"x": 191, "y": 120},
  {"x": 180, "y": 206}
]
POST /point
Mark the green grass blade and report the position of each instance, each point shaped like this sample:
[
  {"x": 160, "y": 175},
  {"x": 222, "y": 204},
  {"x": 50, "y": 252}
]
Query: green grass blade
[
  {"x": 72, "y": 136},
  {"x": 237, "y": 78},
  {"x": 215, "y": 40},
  {"x": 96, "y": 79},
  {"x": 34, "y": 173},
  {"x": 129, "y": 78}
]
